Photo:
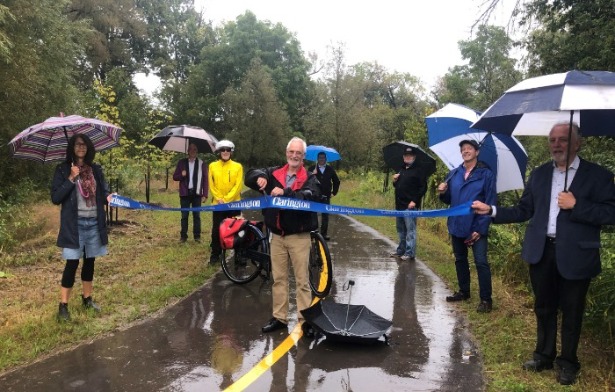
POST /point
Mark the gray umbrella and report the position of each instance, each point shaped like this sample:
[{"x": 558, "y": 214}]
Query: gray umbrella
[{"x": 178, "y": 137}]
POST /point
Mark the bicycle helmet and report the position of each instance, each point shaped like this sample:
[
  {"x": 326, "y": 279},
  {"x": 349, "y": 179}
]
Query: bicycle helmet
[{"x": 225, "y": 143}]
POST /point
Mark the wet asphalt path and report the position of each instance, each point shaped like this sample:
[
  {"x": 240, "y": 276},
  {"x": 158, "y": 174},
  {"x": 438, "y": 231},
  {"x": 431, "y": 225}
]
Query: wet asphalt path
[{"x": 211, "y": 338}]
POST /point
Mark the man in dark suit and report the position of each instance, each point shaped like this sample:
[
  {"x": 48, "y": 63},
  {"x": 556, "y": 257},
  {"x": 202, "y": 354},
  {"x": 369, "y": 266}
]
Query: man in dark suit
[
  {"x": 329, "y": 185},
  {"x": 561, "y": 244}
]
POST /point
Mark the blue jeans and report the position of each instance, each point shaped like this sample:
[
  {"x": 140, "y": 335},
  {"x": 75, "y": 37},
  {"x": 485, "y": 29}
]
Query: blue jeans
[
  {"x": 479, "y": 249},
  {"x": 406, "y": 230}
]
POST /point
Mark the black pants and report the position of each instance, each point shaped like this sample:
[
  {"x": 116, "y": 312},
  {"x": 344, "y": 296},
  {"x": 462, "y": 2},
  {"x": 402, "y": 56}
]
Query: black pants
[
  {"x": 553, "y": 292},
  {"x": 324, "y": 218},
  {"x": 190, "y": 202},
  {"x": 217, "y": 217}
]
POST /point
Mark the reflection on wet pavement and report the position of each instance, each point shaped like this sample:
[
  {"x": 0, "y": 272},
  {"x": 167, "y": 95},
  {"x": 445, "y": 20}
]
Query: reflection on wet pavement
[{"x": 210, "y": 339}]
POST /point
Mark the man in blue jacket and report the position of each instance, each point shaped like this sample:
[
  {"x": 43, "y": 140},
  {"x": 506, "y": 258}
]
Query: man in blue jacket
[
  {"x": 472, "y": 180},
  {"x": 561, "y": 244}
]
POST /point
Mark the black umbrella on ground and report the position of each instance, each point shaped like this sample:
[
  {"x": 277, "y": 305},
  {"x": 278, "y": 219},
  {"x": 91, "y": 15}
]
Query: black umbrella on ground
[
  {"x": 393, "y": 157},
  {"x": 346, "y": 323}
]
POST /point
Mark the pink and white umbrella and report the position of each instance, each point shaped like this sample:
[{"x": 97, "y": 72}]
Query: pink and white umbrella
[{"x": 47, "y": 141}]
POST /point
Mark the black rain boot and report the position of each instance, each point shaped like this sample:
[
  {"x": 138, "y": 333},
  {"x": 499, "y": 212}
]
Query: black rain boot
[
  {"x": 89, "y": 304},
  {"x": 63, "y": 313}
]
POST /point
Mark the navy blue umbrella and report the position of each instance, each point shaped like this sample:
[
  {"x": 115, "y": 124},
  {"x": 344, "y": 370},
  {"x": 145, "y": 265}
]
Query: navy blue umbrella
[{"x": 533, "y": 106}]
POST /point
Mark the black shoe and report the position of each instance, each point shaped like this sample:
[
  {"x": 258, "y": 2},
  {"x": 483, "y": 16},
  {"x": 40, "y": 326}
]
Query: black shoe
[
  {"x": 89, "y": 304},
  {"x": 484, "y": 307},
  {"x": 567, "y": 376},
  {"x": 458, "y": 296},
  {"x": 63, "y": 314},
  {"x": 213, "y": 260},
  {"x": 537, "y": 365},
  {"x": 273, "y": 325},
  {"x": 183, "y": 239}
]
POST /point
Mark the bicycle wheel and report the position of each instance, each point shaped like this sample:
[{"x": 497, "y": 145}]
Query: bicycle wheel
[
  {"x": 320, "y": 266},
  {"x": 243, "y": 264}
]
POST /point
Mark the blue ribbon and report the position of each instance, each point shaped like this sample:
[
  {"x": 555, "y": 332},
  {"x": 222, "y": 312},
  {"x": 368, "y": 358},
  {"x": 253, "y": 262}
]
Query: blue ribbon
[{"x": 295, "y": 204}]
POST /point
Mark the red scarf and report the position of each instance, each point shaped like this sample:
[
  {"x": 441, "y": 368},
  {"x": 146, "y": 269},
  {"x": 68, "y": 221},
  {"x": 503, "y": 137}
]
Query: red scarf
[{"x": 87, "y": 185}]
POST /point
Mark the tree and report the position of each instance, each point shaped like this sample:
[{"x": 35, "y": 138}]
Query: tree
[
  {"x": 38, "y": 76},
  {"x": 5, "y": 42},
  {"x": 571, "y": 34},
  {"x": 361, "y": 108},
  {"x": 224, "y": 65},
  {"x": 489, "y": 72},
  {"x": 260, "y": 127}
]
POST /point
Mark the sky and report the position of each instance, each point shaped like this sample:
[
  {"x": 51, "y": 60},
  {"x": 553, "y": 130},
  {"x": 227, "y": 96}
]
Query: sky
[{"x": 419, "y": 37}]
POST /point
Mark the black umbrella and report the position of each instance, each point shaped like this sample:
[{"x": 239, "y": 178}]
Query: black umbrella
[
  {"x": 346, "y": 323},
  {"x": 394, "y": 152},
  {"x": 178, "y": 137}
]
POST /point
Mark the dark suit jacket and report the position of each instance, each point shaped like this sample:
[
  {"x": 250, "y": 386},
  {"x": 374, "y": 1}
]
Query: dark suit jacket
[
  {"x": 329, "y": 182},
  {"x": 578, "y": 230}
]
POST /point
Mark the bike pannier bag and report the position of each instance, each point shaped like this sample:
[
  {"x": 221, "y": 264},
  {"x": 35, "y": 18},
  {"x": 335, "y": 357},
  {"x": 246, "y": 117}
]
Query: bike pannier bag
[{"x": 232, "y": 232}]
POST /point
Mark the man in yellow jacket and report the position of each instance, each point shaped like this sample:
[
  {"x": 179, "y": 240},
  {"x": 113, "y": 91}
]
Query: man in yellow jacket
[{"x": 225, "y": 183}]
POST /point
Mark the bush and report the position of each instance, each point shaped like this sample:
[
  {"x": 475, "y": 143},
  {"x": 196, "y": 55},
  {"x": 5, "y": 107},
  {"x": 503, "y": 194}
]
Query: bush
[{"x": 16, "y": 225}]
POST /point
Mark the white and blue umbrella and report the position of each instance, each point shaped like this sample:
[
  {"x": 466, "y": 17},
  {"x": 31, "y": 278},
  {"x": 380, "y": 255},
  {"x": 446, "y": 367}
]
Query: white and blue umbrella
[
  {"x": 311, "y": 153},
  {"x": 534, "y": 105},
  {"x": 504, "y": 155}
]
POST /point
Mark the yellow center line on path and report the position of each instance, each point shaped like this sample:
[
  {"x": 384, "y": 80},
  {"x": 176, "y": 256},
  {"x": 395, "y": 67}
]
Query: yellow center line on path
[{"x": 269, "y": 360}]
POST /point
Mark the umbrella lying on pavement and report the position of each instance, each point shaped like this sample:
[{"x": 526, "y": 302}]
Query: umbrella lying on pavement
[
  {"x": 178, "y": 137},
  {"x": 504, "y": 155},
  {"x": 47, "y": 141},
  {"x": 393, "y": 157},
  {"x": 346, "y": 322},
  {"x": 311, "y": 153}
]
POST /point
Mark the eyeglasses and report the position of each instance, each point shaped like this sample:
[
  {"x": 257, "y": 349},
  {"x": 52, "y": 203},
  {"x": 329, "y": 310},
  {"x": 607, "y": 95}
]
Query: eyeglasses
[
  {"x": 225, "y": 150},
  {"x": 81, "y": 145}
]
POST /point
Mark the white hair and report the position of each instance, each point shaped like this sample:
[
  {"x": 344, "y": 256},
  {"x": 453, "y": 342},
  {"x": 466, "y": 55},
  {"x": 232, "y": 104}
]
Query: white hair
[{"x": 297, "y": 139}]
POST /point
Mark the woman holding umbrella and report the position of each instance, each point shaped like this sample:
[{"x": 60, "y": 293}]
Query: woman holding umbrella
[{"x": 79, "y": 186}]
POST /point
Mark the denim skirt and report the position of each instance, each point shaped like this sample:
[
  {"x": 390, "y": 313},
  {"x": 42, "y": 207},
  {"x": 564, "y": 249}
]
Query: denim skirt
[{"x": 89, "y": 241}]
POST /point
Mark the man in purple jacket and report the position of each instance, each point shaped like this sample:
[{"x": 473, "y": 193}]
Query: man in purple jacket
[{"x": 191, "y": 173}]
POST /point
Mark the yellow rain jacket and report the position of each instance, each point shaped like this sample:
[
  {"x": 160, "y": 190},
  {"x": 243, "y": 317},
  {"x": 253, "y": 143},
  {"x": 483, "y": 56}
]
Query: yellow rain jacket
[{"x": 225, "y": 181}]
